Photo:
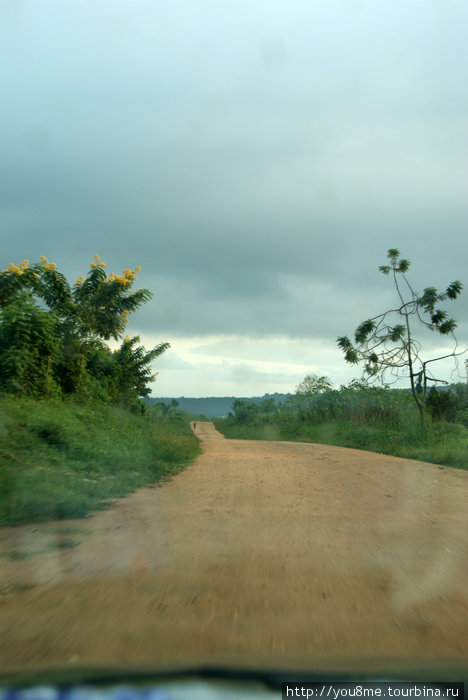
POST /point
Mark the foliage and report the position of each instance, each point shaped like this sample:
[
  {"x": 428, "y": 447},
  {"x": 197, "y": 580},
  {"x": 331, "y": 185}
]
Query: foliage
[
  {"x": 29, "y": 346},
  {"x": 133, "y": 366},
  {"x": 52, "y": 334},
  {"x": 63, "y": 459},
  {"x": 387, "y": 344},
  {"x": 244, "y": 411},
  {"x": 363, "y": 416},
  {"x": 166, "y": 409},
  {"x": 313, "y": 384},
  {"x": 449, "y": 404}
]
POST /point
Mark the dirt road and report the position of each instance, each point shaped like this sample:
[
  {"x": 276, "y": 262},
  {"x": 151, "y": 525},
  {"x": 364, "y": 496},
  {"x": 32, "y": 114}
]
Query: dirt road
[{"x": 260, "y": 553}]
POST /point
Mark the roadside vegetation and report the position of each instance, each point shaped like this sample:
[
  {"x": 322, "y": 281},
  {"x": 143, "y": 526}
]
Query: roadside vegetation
[
  {"x": 74, "y": 432},
  {"x": 428, "y": 421},
  {"x": 363, "y": 417},
  {"x": 65, "y": 458},
  {"x": 53, "y": 335}
]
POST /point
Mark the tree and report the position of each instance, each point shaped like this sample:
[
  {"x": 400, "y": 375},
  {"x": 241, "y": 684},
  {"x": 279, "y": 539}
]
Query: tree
[
  {"x": 133, "y": 369},
  {"x": 313, "y": 384},
  {"x": 52, "y": 333},
  {"x": 97, "y": 306},
  {"x": 387, "y": 343},
  {"x": 29, "y": 348},
  {"x": 303, "y": 403},
  {"x": 244, "y": 411}
]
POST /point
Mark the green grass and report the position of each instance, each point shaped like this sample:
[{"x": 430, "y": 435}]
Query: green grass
[
  {"x": 64, "y": 459},
  {"x": 439, "y": 443}
]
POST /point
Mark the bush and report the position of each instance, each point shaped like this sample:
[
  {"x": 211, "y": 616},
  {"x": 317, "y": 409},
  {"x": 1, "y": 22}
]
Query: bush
[
  {"x": 358, "y": 416},
  {"x": 62, "y": 459}
]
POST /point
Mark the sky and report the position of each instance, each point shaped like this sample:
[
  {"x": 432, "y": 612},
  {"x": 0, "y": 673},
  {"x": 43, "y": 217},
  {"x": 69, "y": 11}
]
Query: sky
[{"x": 257, "y": 158}]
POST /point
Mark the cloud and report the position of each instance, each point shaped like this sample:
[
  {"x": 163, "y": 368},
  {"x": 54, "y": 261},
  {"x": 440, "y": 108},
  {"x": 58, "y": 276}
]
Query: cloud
[
  {"x": 239, "y": 365},
  {"x": 256, "y": 160},
  {"x": 172, "y": 362}
]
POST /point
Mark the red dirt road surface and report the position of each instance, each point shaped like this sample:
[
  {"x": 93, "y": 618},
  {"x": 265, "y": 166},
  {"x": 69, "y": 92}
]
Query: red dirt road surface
[{"x": 259, "y": 554}]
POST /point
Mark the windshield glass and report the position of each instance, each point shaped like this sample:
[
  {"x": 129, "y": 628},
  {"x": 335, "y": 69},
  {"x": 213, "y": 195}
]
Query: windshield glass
[{"x": 233, "y": 324}]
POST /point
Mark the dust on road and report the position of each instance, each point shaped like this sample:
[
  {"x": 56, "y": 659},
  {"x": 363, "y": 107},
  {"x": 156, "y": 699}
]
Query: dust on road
[{"x": 260, "y": 553}]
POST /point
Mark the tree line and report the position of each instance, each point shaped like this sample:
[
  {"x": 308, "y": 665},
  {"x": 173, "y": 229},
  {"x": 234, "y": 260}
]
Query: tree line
[{"x": 316, "y": 401}]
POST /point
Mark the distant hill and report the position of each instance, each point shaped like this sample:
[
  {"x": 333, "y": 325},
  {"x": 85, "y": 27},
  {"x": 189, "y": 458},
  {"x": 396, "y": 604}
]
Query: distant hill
[{"x": 214, "y": 406}]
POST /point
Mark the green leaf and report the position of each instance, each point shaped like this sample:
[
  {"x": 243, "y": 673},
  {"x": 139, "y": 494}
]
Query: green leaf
[
  {"x": 363, "y": 331},
  {"x": 438, "y": 316},
  {"x": 403, "y": 266},
  {"x": 351, "y": 356},
  {"x": 454, "y": 289},
  {"x": 447, "y": 327},
  {"x": 393, "y": 255},
  {"x": 428, "y": 299},
  {"x": 344, "y": 342},
  {"x": 396, "y": 333}
]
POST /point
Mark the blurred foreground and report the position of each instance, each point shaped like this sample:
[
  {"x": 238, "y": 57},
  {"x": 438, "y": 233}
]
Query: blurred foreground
[{"x": 260, "y": 554}]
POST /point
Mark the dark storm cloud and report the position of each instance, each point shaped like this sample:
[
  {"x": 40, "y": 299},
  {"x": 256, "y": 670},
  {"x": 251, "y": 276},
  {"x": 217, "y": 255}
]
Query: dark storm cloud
[{"x": 256, "y": 159}]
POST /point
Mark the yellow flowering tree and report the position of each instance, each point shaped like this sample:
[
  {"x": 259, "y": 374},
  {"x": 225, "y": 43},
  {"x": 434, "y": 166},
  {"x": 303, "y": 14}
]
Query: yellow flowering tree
[
  {"x": 78, "y": 317},
  {"x": 104, "y": 302}
]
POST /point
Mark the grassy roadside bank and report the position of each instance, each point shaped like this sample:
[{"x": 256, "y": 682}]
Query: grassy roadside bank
[
  {"x": 440, "y": 443},
  {"x": 63, "y": 459}
]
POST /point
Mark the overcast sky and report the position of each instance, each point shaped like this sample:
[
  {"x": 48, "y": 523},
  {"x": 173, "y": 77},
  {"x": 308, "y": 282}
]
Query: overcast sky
[{"x": 256, "y": 157}]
